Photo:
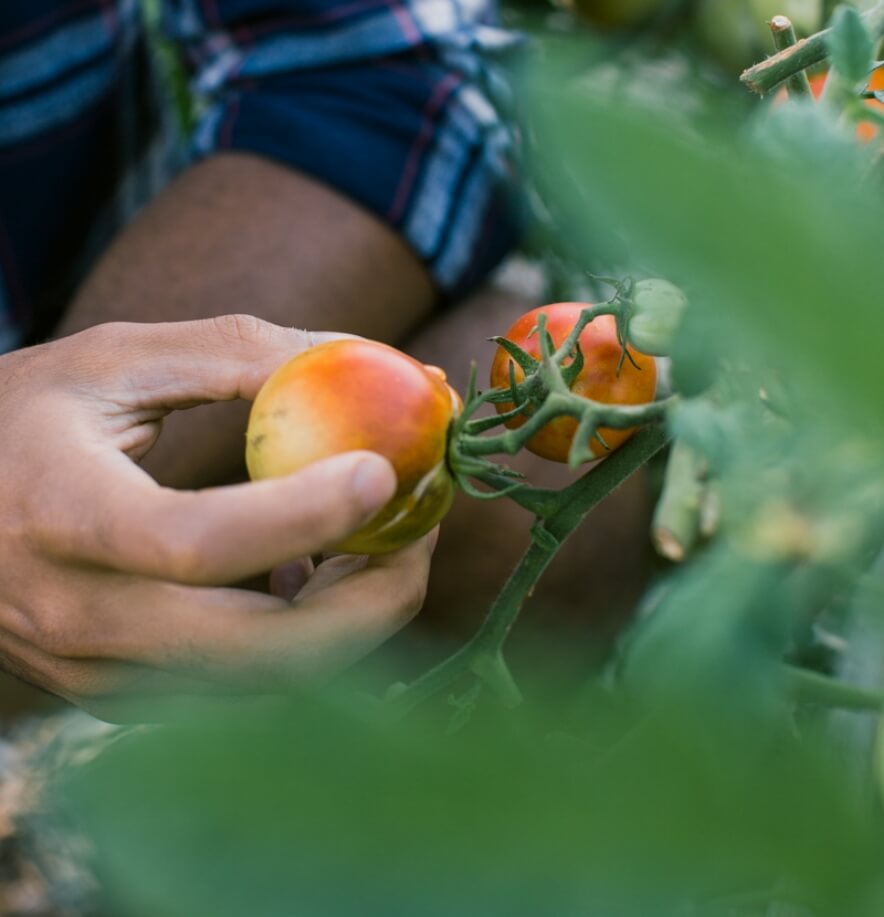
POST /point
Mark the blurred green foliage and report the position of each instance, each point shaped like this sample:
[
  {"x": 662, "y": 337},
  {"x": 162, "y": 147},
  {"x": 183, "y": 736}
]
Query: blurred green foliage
[{"x": 308, "y": 809}]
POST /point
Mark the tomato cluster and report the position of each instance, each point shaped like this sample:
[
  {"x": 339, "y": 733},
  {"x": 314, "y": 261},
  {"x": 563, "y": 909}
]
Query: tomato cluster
[
  {"x": 357, "y": 394},
  {"x": 605, "y": 376}
]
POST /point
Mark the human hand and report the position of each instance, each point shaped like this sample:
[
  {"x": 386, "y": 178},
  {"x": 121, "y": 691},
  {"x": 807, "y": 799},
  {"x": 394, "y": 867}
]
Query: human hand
[{"x": 114, "y": 588}]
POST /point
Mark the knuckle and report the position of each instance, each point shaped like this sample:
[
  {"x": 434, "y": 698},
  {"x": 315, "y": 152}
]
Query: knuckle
[
  {"x": 171, "y": 547},
  {"x": 57, "y": 633},
  {"x": 65, "y": 629},
  {"x": 184, "y": 555},
  {"x": 242, "y": 328},
  {"x": 39, "y": 523},
  {"x": 106, "y": 336}
]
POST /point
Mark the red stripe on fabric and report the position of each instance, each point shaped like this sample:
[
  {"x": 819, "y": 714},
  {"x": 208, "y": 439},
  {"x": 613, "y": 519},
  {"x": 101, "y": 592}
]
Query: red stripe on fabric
[
  {"x": 44, "y": 23},
  {"x": 409, "y": 173},
  {"x": 406, "y": 22}
]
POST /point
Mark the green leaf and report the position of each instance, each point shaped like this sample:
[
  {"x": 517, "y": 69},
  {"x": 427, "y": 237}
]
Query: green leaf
[
  {"x": 850, "y": 45},
  {"x": 783, "y": 254}
]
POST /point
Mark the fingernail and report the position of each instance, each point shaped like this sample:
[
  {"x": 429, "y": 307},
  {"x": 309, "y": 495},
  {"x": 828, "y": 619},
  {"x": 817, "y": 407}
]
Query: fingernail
[
  {"x": 433, "y": 539},
  {"x": 374, "y": 483}
]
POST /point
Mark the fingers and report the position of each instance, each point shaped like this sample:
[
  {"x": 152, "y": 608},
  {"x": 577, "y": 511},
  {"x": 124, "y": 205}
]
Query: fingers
[
  {"x": 120, "y": 519},
  {"x": 358, "y": 612},
  {"x": 255, "y": 641},
  {"x": 180, "y": 364},
  {"x": 109, "y": 689},
  {"x": 126, "y": 642}
]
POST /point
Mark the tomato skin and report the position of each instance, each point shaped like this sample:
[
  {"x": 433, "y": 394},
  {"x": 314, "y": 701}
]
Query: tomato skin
[
  {"x": 598, "y": 379},
  {"x": 356, "y": 394}
]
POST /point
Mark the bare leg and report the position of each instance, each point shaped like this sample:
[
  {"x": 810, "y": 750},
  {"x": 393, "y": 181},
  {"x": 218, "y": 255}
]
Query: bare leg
[{"x": 600, "y": 572}]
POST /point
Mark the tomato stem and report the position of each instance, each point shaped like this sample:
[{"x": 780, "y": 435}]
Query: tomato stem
[
  {"x": 770, "y": 73},
  {"x": 676, "y": 525},
  {"x": 590, "y": 414},
  {"x": 563, "y": 512},
  {"x": 784, "y": 37}
]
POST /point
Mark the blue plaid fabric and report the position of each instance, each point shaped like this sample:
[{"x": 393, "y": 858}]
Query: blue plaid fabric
[{"x": 381, "y": 99}]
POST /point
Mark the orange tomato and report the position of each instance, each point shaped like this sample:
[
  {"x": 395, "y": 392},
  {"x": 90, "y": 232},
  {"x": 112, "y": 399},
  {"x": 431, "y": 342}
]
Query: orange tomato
[
  {"x": 357, "y": 394},
  {"x": 598, "y": 380}
]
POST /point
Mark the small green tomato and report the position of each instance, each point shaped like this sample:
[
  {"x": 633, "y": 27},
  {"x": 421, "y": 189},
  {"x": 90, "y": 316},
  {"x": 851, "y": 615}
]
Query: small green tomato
[{"x": 657, "y": 308}]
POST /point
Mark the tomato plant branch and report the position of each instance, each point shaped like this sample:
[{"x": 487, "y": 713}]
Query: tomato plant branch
[
  {"x": 537, "y": 500},
  {"x": 676, "y": 524},
  {"x": 590, "y": 414},
  {"x": 811, "y": 687},
  {"x": 482, "y": 655},
  {"x": 784, "y": 37},
  {"x": 770, "y": 73}
]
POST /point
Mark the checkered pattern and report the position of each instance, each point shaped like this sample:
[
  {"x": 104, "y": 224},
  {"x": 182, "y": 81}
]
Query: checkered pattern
[{"x": 381, "y": 99}]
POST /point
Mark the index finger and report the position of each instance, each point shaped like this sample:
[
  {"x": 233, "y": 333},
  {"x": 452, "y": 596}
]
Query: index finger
[
  {"x": 257, "y": 641},
  {"x": 180, "y": 364}
]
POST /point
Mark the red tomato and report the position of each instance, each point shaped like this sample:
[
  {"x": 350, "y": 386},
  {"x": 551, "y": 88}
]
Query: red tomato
[
  {"x": 355, "y": 394},
  {"x": 598, "y": 380}
]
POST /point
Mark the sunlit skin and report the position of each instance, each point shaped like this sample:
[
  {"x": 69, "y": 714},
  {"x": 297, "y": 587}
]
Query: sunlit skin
[
  {"x": 354, "y": 394},
  {"x": 598, "y": 380}
]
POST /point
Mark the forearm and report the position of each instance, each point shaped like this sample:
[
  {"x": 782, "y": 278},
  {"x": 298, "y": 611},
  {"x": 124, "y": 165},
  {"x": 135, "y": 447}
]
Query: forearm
[{"x": 237, "y": 233}]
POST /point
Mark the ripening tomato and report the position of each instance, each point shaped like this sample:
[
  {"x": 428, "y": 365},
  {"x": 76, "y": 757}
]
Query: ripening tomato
[
  {"x": 598, "y": 380},
  {"x": 356, "y": 394}
]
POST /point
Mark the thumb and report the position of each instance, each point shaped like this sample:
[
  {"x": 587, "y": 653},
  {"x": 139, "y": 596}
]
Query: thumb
[{"x": 224, "y": 534}]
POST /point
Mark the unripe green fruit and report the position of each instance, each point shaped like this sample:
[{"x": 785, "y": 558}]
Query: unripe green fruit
[
  {"x": 657, "y": 308},
  {"x": 614, "y": 14}
]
